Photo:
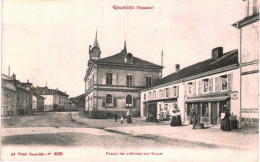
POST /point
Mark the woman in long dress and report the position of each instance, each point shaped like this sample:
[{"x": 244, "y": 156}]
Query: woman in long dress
[
  {"x": 225, "y": 124},
  {"x": 179, "y": 123},
  {"x": 174, "y": 119}
]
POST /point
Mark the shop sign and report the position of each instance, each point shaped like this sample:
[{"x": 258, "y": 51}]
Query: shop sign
[{"x": 234, "y": 95}]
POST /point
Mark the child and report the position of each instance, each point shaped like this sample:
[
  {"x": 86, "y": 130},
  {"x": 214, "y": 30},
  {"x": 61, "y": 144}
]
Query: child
[{"x": 122, "y": 119}]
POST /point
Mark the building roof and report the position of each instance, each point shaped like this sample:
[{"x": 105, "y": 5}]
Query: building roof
[
  {"x": 76, "y": 99},
  {"x": 247, "y": 20},
  {"x": 47, "y": 91},
  {"x": 37, "y": 95},
  {"x": 119, "y": 59},
  {"x": 226, "y": 59}
]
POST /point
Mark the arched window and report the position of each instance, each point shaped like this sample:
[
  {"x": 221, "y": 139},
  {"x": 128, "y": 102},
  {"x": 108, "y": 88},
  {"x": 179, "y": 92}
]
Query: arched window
[
  {"x": 129, "y": 100},
  {"x": 109, "y": 100}
]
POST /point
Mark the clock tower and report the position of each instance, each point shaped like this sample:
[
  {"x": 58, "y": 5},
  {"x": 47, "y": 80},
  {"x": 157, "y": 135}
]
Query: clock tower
[{"x": 94, "y": 52}]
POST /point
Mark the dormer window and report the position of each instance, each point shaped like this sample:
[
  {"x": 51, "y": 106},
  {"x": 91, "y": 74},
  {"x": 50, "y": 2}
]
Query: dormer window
[{"x": 129, "y": 58}]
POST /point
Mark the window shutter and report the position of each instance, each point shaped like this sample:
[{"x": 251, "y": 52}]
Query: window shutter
[
  {"x": 185, "y": 89},
  {"x": 194, "y": 87},
  {"x": 170, "y": 92},
  {"x": 104, "y": 102},
  {"x": 133, "y": 83},
  {"x": 113, "y": 78},
  {"x": 230, "y": 81},
  {"x": 216, "y": 84},
  {"x": 210, "y": 85},
  {"x": 134, "y": 102},
  {"x": 177, "y": 91},
  {"x": 114, "y": 102},
  {"x": 116, "y": 79},
  {"x": 199, "y": 87}
]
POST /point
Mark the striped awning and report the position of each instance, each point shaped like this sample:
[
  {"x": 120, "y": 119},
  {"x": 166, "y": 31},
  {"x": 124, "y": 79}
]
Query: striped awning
[{"x": 212, "y": 99}]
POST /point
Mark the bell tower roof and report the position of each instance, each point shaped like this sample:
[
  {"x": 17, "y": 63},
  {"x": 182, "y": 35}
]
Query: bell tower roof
[{"x": 96, "y": 42}]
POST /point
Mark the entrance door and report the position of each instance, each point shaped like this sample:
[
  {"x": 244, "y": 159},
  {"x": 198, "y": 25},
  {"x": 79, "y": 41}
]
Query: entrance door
[
  {"x": 214, "y": 113},
  {"x": 145, "y": 109},
  {"x": 152, "y": 110}
]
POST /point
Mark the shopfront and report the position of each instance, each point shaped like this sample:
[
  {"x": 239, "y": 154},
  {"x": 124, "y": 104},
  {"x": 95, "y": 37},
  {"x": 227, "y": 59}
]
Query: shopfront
[
  {"x": 208, "y": 109},
  {"x": 161, "y": 109}
]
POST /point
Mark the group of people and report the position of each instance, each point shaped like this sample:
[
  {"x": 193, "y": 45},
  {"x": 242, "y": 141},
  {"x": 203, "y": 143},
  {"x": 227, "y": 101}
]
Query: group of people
[{"x": 129, "y": 117}]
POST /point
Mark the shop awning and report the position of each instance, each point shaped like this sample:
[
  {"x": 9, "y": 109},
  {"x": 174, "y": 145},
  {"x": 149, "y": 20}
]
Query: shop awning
[
  {"x": 213, "y": 99},
  {"x": 173, "y": 99}
]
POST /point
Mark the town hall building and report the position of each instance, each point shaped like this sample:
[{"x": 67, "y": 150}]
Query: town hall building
[{"x": 113, "y": 84}]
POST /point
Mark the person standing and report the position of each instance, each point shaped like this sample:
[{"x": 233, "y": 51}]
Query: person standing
[
  {"x": 194, "y": 119},
  {"x": 116, "y": 117},
  {"x": 225, "y": 124},
  {"x": 122, "y": 119},
  {"x": 174, "y": 119},
  {"x": 179, "y": 123},
  {"x": 191, "y": 116}
]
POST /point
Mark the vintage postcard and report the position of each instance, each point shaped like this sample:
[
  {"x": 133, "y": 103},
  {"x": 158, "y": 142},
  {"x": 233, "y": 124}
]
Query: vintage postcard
[{"x": 130, "y": 80}]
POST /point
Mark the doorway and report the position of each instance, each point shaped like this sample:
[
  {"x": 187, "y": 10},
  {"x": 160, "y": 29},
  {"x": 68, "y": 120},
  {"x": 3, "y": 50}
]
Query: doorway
[{"x": 214, "y": 113}]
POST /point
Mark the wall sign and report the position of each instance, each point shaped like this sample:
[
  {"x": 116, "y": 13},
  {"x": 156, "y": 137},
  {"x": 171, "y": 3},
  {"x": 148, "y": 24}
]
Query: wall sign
[{"x": 234, "y": 95}]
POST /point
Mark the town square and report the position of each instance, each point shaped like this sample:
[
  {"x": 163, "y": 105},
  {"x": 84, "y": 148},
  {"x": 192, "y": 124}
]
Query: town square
[{"x": 83, "y": 81}]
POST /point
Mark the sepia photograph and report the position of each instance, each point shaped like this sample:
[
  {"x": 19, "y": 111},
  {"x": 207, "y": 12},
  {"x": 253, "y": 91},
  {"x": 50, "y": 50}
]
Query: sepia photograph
[{"x": 130, "y": 80}]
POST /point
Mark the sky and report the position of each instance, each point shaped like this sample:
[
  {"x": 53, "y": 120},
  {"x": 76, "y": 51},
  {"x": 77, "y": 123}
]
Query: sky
[{"x": 48, "y": 40}]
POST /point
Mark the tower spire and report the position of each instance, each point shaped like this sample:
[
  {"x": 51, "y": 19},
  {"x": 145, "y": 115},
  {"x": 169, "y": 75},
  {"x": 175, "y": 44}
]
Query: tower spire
[
  {"x": 125, "y": 48},
  {"x": 96, "y": 42}
]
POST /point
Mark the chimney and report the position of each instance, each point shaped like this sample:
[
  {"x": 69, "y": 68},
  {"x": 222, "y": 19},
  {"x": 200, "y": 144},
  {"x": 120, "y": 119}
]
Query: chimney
[
  {"x": 14, "y": 76},
  {"x": 217, "y": 53},
  {"x": 177, "y": 67},
  {"x": 27, "y": 80}
]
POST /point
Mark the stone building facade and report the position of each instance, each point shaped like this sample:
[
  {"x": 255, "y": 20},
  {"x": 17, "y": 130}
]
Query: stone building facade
[
  {"x": 249, "y": 60},
  {"x": 113, "y": 84},
  {"x": 208, "y": 87},
  {"x": 16, "y": 96},
  {"x": 53, "y": 96}
]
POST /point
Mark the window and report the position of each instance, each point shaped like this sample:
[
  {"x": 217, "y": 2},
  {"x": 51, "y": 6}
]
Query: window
[
  {"x": 109, "y": 100},
  {"x": 205, "y": 85},
  {"x": 150, "y": 95},
  {"x": 189, "y": 108},
  {"x": 129, "y": 80},
  {"x": 145, "y": 96},
  {"x": 175, "y": 91},
  {"x": 109, "y": 79},
  {"x": 129, "y": 100},
  {"x": 166, "y": 92},
  {"x": 190, "y": 88},
  {"x": 154, "y": 94},
  {"x": 223, "y": 82},
  {"x": 148, "y": 81}
]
